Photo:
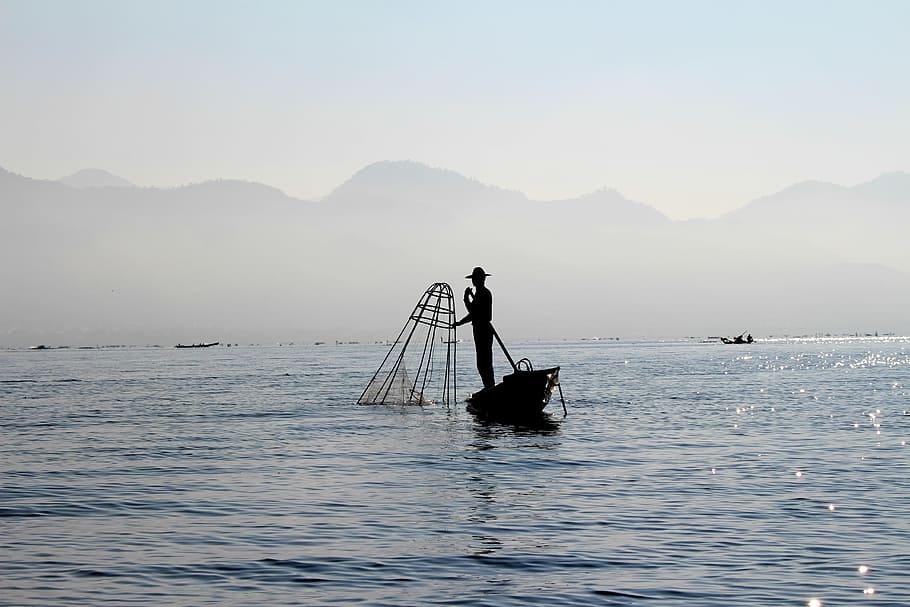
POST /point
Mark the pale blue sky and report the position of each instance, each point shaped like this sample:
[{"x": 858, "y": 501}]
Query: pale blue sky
[{"x": 693, "y": 107}]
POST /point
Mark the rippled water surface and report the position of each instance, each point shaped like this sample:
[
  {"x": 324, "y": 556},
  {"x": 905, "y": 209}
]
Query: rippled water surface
[{"x": 684, "y": 474}]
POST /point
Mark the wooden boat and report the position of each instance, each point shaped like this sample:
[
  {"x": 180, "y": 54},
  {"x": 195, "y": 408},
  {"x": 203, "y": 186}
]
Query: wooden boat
[
  {"x": 520, "y": 395},
  {"x": 200, "y": 345}
]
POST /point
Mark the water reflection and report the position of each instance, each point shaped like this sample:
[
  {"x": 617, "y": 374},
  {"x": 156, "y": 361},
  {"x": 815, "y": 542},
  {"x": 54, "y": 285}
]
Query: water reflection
[
  {"x": 541, "y": 425},
  {"x": 482, "y": 515},
  {"x": 504, "y": 488}
]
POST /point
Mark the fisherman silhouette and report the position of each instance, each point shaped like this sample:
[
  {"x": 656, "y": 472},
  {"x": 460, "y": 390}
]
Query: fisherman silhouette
[{"x": 479, "y": 304}]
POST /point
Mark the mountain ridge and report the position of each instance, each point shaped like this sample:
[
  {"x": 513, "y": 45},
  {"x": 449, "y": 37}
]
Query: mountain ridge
[
  {"x": 242, "y": 257},
  {"x": 826, "y": 203},
  {"x": 95, "y": 178},
  {"x": 404, "y": 182}
]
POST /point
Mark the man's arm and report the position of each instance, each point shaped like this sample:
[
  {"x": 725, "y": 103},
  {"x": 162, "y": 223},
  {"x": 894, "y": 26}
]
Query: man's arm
[{"x": 468, "y": 303}]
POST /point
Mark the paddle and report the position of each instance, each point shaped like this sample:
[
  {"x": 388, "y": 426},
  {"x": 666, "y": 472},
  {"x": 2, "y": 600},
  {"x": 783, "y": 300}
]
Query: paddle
[{"x": 503, "y": 346}]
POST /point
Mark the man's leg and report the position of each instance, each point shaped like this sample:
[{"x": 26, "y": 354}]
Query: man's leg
[{"x": 483, "y": 343}]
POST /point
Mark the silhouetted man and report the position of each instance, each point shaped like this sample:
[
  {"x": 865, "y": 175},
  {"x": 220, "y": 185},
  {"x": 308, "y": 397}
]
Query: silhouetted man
[{"x": 480, "y": 314}]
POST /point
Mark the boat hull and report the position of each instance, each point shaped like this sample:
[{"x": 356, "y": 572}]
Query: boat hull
[{"x": 522, "y": 394}]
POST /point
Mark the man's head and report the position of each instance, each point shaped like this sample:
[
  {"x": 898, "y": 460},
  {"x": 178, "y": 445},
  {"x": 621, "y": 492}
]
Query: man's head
[{"x": 478, "y": 276}]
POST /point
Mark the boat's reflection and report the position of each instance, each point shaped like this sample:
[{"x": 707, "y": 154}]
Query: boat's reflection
[
  {"x": 542, "y": 424},
  {"x": 482, "y": 516},
  {"x": 524, "y": 445}
]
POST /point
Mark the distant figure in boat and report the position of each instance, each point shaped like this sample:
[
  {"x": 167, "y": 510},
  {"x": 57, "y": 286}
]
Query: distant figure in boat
[
  {"x": 738, "y": 339},
  {"x": 479, "y": 304}
]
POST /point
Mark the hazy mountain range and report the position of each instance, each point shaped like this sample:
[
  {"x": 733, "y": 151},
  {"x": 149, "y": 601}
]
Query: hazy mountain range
[
  {"x": 91, "y": 258},
  {"x": 95, "y": 178}
]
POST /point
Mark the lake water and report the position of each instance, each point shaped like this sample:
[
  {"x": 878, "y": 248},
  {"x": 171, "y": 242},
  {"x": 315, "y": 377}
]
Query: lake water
[{"x": 684, "y": 474}]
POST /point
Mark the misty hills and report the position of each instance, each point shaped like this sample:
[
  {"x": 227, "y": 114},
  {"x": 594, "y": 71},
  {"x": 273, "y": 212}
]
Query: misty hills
[
  {"x": 95, "y": 178},
  {"x": 403, "y": 185},
  {"x": 390, "y": 187},
  {"x": 235, "y": 260},
  {"x": 408, "y": 187},
  {"x": 814, "y": 203}
]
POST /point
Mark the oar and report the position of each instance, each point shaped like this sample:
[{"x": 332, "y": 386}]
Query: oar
[{"x": 503, "y": 346}]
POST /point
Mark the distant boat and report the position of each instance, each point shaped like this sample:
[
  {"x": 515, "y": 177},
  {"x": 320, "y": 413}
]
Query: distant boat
[
  {"x": 737, "y": 340},
  {"x": 199, "y": 345}
]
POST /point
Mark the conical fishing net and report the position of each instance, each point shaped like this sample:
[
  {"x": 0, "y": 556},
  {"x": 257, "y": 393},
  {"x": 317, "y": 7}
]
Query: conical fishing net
[{"x": 426, "y": 345}]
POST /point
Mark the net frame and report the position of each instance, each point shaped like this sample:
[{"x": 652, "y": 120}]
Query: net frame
[{"x": 434, "y": 315}]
